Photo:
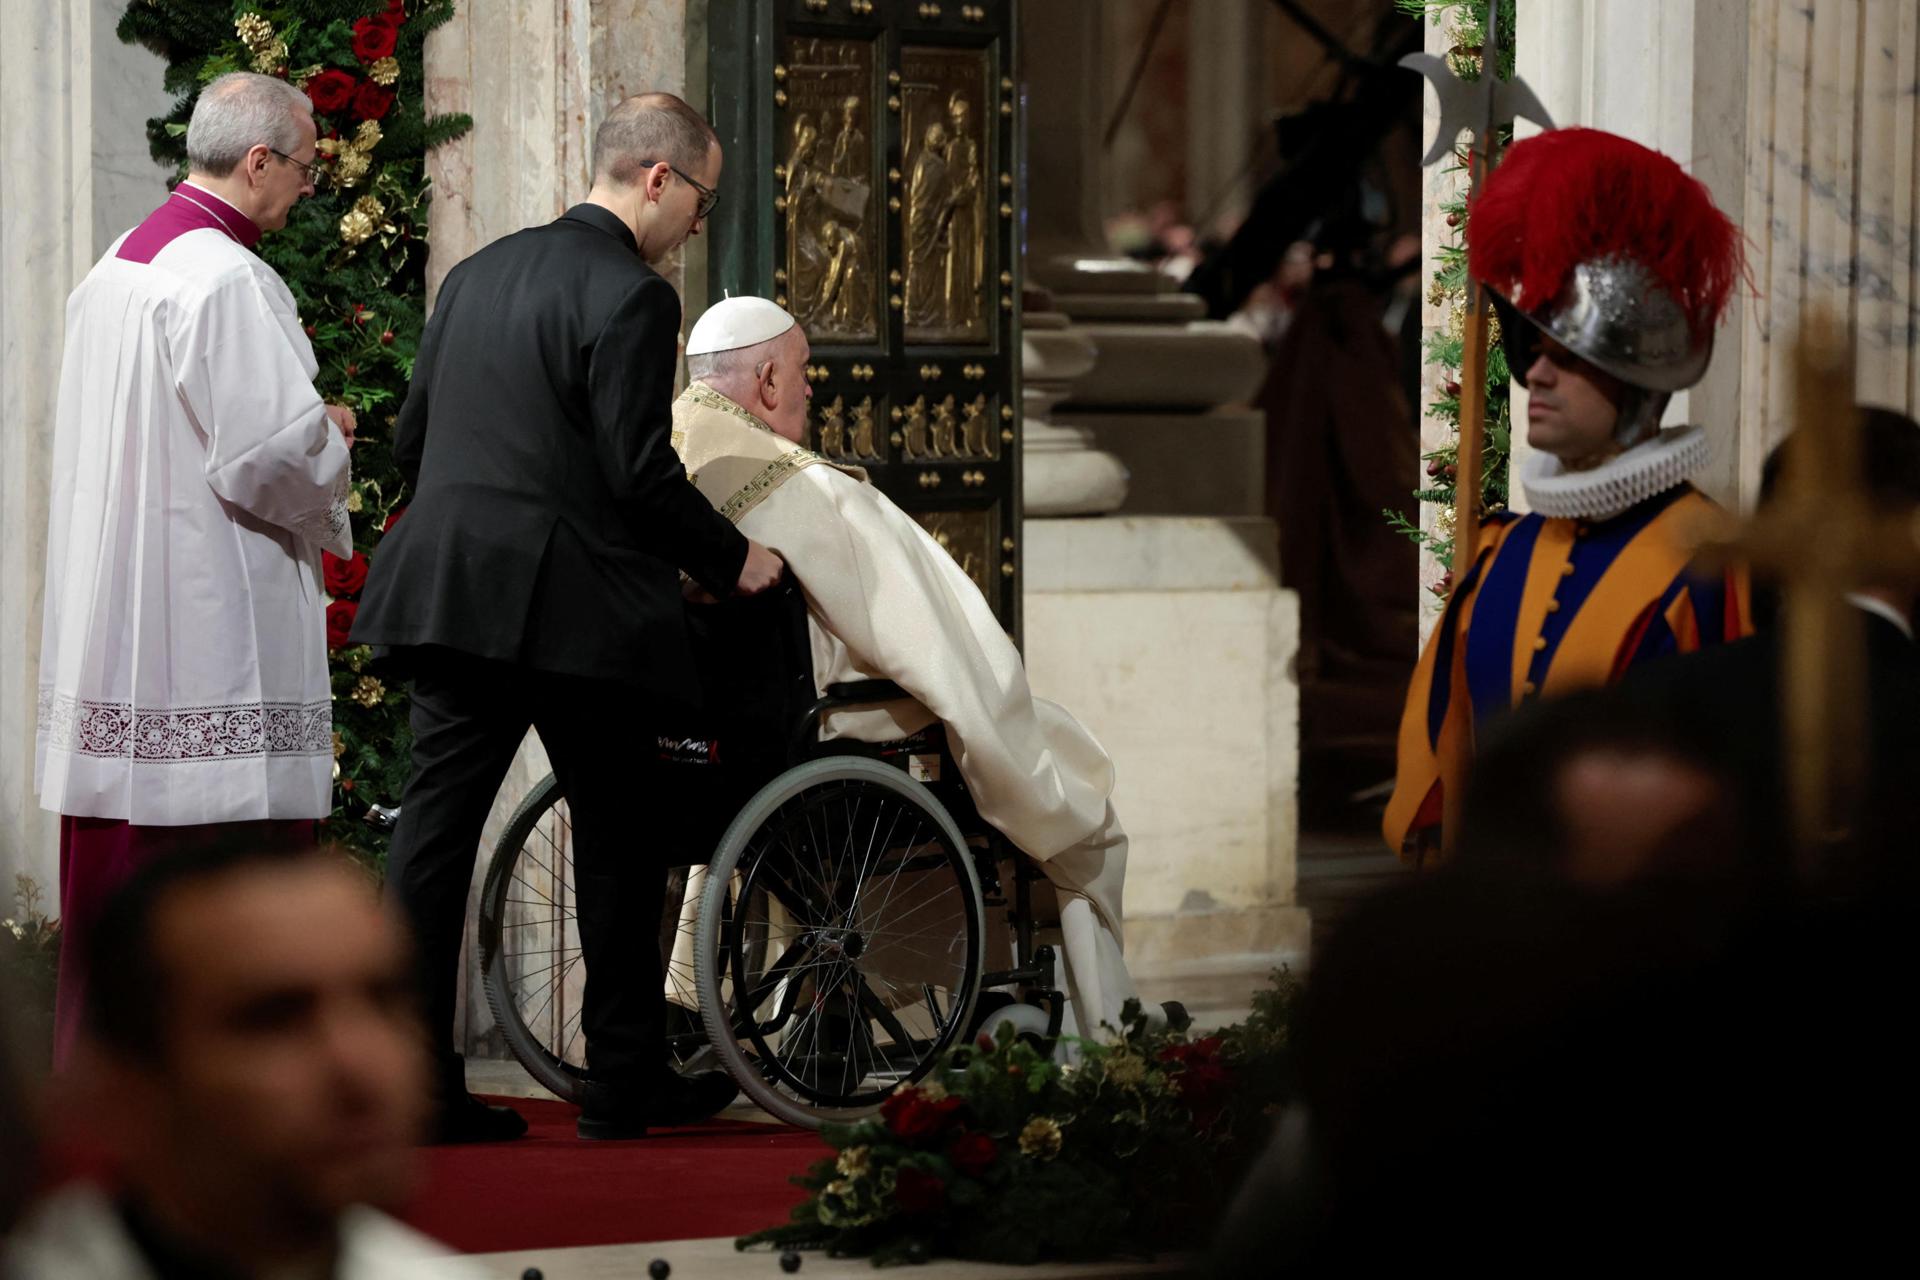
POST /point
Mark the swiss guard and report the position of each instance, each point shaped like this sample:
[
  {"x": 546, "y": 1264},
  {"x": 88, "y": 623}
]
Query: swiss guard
[{"x": 1608, "y": 268}]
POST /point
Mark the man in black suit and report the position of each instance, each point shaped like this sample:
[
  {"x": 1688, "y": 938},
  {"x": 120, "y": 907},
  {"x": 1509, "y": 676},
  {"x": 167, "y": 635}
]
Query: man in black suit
[{"x": 534, "y": 581}]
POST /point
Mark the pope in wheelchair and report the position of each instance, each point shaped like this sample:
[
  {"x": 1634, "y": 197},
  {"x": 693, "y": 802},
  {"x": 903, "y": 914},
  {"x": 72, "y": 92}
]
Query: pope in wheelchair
[{"x": 859, "y": 902}]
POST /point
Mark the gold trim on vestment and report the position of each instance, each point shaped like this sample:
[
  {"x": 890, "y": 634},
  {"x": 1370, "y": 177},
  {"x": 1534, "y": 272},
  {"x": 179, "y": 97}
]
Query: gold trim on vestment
[{"x": 789, "y": 459}]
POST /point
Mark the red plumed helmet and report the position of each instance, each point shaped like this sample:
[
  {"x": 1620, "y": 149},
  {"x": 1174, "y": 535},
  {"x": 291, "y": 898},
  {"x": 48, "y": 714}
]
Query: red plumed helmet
[{"x": 1612, "y": 249}]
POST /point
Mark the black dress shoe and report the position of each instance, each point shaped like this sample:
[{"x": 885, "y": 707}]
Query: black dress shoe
[
  {"x": 467, "y": 1119},
  {"x": 614, "y": 1111}
]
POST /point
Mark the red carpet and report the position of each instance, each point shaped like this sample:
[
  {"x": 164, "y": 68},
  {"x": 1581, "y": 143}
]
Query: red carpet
[{"x": 551, "y": 1190}]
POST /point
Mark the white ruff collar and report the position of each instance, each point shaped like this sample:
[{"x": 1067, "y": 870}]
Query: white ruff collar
[{"x": 1617, "y": 484}]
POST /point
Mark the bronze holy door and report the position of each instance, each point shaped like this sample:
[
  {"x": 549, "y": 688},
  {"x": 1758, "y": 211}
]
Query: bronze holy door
[{"x": 872, "y": 189}]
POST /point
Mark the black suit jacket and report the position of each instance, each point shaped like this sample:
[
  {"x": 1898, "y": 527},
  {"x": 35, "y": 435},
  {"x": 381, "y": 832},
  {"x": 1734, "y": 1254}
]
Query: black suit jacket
[{"x": 549, "y": 513}]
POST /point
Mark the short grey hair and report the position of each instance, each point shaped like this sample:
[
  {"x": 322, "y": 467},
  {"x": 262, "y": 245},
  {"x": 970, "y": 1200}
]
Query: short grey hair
[
  {"x": 641, "y": 132},
  {"x": 718, "y": 367},
  {"x": 238, "y": 112}
]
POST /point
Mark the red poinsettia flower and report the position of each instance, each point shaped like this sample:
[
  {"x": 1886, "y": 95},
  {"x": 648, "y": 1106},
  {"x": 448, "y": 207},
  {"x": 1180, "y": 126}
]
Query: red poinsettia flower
[
  {"x": 1200, "y": 1080},
  {"x": 973, "y": 1153},
  {"x": 344, "y": 577},
  {"x": 370, "y": 101},
  {"x": 914, "y": 1117},
  {"x": 330, "y": 91},
  {"x": 917, "y": 1191},
  {"x": 340, "y": 616},
  {"x": 374, "y": 38}
]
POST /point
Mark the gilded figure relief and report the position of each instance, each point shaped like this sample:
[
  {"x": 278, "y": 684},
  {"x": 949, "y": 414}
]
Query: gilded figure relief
[
  {"x": 947, "y": 226},
  {"x": 843, "y": 432},
  {"x": 947, "y": 431},
  {"x": 967, "y": 536},
  {"x": 832, "y": 215}
]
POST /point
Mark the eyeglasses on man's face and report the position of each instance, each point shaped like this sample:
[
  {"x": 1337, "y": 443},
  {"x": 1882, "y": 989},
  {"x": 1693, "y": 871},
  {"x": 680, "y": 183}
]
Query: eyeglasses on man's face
[
  {"x": 316, "y": 176},
  {"x": 708, "y": 196}
]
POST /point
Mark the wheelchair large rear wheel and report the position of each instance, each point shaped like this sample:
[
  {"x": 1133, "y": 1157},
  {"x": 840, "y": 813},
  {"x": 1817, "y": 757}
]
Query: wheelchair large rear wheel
[
  {"x": 840, "y": 939},
  {"x": 530, "y": 952}
]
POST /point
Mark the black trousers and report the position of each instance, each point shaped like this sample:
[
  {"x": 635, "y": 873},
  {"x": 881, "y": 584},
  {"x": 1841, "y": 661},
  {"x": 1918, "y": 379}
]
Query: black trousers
[{"x": 469, "y": 718}]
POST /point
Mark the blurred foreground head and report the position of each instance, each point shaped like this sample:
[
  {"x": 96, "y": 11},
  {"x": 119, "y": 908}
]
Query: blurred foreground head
[
  {"x": 254, "y": 1059},
  {"x": 1601, "y": 790}
]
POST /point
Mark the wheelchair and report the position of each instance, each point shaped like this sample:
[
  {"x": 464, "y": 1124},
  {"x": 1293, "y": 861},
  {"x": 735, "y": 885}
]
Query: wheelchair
[{"x": 834, "y": 944}]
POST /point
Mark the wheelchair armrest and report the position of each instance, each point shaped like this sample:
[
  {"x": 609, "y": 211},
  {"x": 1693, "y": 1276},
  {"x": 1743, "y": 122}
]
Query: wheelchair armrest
[{"x": 866, "y": 691}]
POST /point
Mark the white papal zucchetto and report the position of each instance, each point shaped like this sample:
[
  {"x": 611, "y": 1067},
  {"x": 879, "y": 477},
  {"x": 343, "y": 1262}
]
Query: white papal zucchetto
[{"x": 737, "y": 322}]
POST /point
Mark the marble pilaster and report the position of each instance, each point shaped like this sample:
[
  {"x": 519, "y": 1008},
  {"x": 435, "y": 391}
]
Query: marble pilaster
[{"x": 74, "y": 103}]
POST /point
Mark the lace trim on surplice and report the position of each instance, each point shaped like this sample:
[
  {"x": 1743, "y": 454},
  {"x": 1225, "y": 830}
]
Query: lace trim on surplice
[{"x": 120, "y": 730}]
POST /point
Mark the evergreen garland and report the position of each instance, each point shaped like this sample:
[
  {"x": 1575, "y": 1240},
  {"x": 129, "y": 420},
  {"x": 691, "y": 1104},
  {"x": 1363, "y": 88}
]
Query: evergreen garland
[
  {"x": 355, "y": 258},
  {"x": 1466, "y": 28}
]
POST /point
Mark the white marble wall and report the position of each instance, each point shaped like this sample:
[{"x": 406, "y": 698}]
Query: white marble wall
[
  {"x": 1803, "y": 120},
  {"x": 74, "y": 103},
  {"x": 538, "y": 77}
]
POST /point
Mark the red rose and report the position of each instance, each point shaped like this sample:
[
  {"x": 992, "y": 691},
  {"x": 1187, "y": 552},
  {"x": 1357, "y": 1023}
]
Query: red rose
[
  {"x": 917, "y": 1191},
  {"x": 396, "y": 13},
  {"x": 973, "y": 1153},
  {"x": 370, "y": 101},
  {"x": 913, "y": 1117},
  {"x": 340, "y": 623},
  {"x": 374, "y": 38},
  {"x": 330, "y": 91},
  {"x": 344, "y": 577},
  {"x": 393, "y": 519}
]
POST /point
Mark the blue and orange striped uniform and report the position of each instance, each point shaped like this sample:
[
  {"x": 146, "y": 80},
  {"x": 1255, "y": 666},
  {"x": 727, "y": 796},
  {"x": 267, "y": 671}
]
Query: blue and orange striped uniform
[{"x": 1550, "y": 606}]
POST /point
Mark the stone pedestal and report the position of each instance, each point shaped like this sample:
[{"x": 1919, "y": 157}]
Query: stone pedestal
[{"x": 1168, "y": 638}]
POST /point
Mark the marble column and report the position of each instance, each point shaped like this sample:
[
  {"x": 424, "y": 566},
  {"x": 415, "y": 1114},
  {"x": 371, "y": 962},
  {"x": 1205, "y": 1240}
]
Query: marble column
[
  {"x": 74, "y": 103},
  {"x": 538, "y": 77},
  {"x": 1161, "y": 625},
  {"x": 1166, "y": 395}
]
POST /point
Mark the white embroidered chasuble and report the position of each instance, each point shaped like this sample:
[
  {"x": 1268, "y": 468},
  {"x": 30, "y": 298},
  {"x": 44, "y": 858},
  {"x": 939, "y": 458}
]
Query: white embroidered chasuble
[
  {"x": 886, "y": 601},
  {"x": 196, "y": 479}
]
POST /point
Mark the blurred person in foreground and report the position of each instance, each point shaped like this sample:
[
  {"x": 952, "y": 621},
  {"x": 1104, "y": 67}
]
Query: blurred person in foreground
[
  {"x": 1606, "y": 1033},
  {"x": 1732, "y": 697},
  {"x": 252, "y": 1065}
]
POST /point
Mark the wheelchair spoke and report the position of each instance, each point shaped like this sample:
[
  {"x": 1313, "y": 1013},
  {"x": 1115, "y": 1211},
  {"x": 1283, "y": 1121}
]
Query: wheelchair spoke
[{"x": 554, "y": 984}]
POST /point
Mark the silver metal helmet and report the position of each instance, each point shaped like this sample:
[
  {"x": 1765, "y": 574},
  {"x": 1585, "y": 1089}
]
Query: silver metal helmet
[{"x": 1613, "y": 314}]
